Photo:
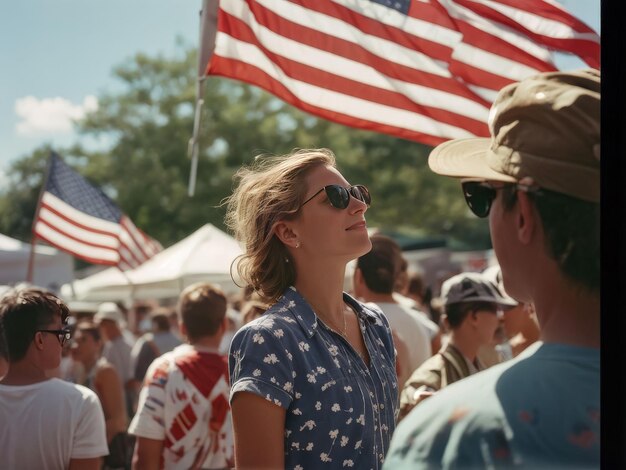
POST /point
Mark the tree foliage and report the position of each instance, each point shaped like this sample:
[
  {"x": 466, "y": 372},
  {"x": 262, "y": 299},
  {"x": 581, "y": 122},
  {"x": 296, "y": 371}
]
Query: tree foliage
[{"x": 148, "y": 121}]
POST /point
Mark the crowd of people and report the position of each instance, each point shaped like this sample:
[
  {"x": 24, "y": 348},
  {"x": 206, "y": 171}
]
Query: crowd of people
[{"x": 500, "y": 370}]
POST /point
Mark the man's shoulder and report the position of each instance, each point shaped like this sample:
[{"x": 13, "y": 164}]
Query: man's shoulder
[{"x": 56, "y": 389}]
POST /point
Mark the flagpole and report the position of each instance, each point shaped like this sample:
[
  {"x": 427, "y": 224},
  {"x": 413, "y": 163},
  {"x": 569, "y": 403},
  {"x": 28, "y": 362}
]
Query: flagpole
[
  {"x": 207, "y": 31},
  {"x": 33, "y": 241}
]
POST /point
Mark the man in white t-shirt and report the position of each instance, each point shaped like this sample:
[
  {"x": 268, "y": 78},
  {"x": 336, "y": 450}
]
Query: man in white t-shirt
[
  {"x": 45, "y": 423},
  {"x": 374, "y": 280},
  {"x": 183, "y": 419}
]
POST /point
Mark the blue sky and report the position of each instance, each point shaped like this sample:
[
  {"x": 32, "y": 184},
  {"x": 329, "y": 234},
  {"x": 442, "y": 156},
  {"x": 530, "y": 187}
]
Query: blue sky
[{"x": 57, "y": 57}]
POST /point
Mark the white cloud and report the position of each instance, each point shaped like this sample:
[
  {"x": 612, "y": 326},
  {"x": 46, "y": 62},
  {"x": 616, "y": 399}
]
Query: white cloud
[{"x": 50, "y": 115}]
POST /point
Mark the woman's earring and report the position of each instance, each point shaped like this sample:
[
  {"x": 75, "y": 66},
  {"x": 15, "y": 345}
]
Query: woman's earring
[{"x": 298, "y": 244}]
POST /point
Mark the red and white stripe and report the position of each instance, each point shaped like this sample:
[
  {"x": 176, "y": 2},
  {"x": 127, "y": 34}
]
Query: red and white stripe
[
  {"x": 427, "y": 76},
  {"x": 91, "y": 238}
]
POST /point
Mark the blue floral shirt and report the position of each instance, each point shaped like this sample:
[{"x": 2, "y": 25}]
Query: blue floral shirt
[{"x": 340, "y": 412}]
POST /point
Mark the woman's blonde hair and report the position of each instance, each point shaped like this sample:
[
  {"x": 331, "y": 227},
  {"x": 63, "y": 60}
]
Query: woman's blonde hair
[{"x": 269, "y": 190}]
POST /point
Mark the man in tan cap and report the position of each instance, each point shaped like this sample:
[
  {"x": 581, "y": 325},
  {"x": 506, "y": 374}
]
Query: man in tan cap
[{"x": 538, "y": 180}]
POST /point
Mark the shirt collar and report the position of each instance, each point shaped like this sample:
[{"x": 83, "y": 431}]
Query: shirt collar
[{"x": 305, "y": 316}]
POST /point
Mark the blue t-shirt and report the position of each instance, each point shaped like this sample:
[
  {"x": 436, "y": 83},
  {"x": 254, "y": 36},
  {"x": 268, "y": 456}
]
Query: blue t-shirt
[
  {"x": 339, "y": 412},
  {"x": 540, "y": 410}
]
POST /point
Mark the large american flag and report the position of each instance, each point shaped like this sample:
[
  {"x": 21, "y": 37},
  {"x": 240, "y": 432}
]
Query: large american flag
[
  {"x": 425, "y": 70},
  {"x": 79, "y": 218}
]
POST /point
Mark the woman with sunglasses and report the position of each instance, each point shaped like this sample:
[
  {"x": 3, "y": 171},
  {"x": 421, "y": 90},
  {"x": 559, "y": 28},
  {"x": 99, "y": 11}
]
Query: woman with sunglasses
[
  {"x": 100, "y": 376},
  {"x": 313, "y": 379}
]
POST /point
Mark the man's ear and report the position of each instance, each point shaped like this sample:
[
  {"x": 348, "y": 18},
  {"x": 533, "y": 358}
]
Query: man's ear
[
  {"x": 526, "y": 218},
  {"x": 285, "y": 233},
  {"x": 38, "y": 340}
]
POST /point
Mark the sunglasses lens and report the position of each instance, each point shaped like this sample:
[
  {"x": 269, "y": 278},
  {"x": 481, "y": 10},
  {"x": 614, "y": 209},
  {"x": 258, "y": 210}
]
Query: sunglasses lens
[
  {"x": 338, "y": 196},
  {"x": 478, "y": 197},
  {"x": 361, "y": 193}
]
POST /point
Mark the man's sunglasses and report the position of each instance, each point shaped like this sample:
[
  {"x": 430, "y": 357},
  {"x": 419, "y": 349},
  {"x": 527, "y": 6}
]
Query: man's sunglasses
[
  {"x": 339, "y": 196},
  {"x": 479, "y": 195},
  {"x": 63, "y": 335}
]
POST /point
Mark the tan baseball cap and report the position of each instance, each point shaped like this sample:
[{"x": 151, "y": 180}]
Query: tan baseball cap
[{"x": 545, "y": 127}]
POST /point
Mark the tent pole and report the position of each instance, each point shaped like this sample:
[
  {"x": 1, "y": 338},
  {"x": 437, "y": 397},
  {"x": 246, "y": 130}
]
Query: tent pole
[{"x": 31, "y": 260}]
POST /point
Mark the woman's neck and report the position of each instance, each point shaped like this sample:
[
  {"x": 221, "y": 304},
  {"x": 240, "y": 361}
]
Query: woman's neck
[{"x": 323, "y": 290}]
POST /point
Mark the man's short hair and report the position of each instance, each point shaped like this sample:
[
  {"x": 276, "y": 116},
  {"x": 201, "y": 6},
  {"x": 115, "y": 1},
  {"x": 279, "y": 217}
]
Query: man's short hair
[
  {"x": 23, "y": 312},
  {"x": 161, "y": 319},
  {"x": 381, "y": 266},
  {"x": 202, "y": 307},
  {"x": 572, "y": 230}
]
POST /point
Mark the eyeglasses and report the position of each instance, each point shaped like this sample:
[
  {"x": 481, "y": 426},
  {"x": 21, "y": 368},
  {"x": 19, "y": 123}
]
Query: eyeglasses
[
  {"x": 479, "y": 195},
  {"x": 339, "y": 196},
  {"x": 63, "y": 335}
]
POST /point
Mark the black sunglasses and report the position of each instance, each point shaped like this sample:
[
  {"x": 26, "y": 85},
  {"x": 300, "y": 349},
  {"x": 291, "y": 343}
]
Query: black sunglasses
[
  {"x": 479, "y": 195},
  {"x": 339, "y": 196},
  {"x": 63, "y": 335}
]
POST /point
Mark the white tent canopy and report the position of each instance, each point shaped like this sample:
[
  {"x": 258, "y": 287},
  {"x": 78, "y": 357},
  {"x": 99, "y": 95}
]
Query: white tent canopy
[
  {"x": 51, "y": 267},
  {"x": 205, "y": 255}
]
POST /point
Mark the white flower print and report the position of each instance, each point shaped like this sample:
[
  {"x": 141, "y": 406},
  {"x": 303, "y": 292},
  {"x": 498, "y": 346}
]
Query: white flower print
[
  {"x": 344, "y": 440},
  {"x": 258, "y": 338},
  {"x": 348, "y": 463},
  {"x": 347, "y": 388},
  {"x": 349, "y": 421},
  {"x": 270, "y": 359},
  {"x": 358, "y": 444},
  {"x": 328, "y": 385},
  {"x": 298, "y": 467},
  {"x": 309, "y": 446},
  {"x": 321, "y": 370},
  {"x": 273, "y": 380},
  {"x": 333, "y": 350},
  {"x": 361, "y": 420},
  {"x": 311, "y": 378},
  {"x": 287, "y": 432},
  {"x": 334, "y": 433},
  {"x": 279, "y": 333},
  {"x": 297, "y": 412},
  {"x": 336, "y": 361},
  {"x": 282, "y": 309},
  {"x": 278, "y": 402},
  {"x": 295, "y": 445},
  {"x": 288, "y": 387},
  {"x": 336, "y": 407},
  {"x": 291, "y": 304},
  {"x": 310, "y": 424},
  {"x": 298, "y": 395},
  {"x": 318, "y": 406},
  {"x": 325, "y": 458},
  {"x": 289, "y": 355},
  {"x": 256, "y": 372},
  {"x": 304, "y": 346}
]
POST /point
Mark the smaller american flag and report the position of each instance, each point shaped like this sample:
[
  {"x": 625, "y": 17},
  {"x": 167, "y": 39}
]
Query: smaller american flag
[{"x": 79, "y": 218}]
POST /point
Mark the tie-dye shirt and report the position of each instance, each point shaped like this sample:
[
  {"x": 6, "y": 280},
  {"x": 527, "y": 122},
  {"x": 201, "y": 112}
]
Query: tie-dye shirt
[
  {"x": 538, "y": 411},
  {"x": 184, "y": 403},
  {"x": 340, "y": 412}
]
